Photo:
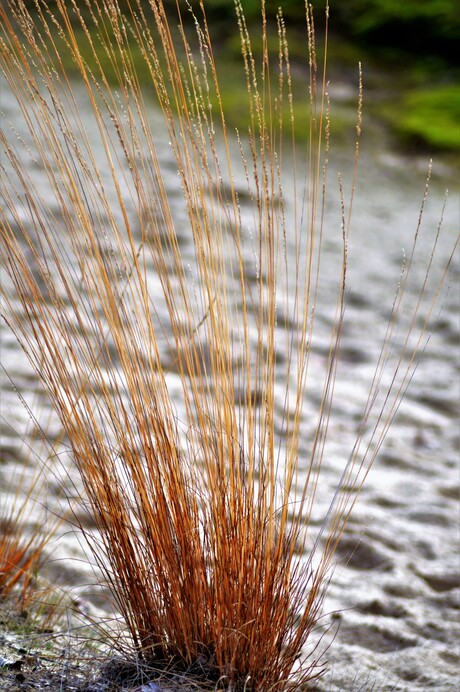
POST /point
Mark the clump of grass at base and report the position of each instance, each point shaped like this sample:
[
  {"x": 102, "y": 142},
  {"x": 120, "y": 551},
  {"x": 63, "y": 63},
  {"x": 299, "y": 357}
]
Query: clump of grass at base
[{"x": 201, "y": 500}]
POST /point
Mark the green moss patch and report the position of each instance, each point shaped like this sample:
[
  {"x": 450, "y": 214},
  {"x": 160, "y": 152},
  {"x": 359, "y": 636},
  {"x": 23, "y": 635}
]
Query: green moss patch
[{"x": 431, "y": 116}]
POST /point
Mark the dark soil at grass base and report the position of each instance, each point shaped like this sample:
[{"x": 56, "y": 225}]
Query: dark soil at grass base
[
  {"x": 32, "y": 660},
  {"x": 27, "y": 659}
]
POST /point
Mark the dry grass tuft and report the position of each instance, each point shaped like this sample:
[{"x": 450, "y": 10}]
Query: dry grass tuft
[
  {"x": 19, "y": 556},
  {"x": 192, "y": 472},
  {"x": 25, "y": 531}
]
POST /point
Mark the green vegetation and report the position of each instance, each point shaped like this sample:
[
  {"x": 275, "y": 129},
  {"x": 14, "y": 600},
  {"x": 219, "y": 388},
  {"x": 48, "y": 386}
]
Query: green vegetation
[
  {"x": 431, "y": 27},
  {"x": 418, "y": 40},
  {"x": 430, "y": 115}
]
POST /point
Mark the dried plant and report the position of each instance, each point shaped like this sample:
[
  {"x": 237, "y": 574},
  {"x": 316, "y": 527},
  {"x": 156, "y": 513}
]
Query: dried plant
[
  {"x": 25, "y": 530},
  {"x": 19, "y": 557},
  {"x": 166, "y": 369}
]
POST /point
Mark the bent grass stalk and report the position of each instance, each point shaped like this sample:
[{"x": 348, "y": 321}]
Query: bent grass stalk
[{"x": 201, "y": 500}]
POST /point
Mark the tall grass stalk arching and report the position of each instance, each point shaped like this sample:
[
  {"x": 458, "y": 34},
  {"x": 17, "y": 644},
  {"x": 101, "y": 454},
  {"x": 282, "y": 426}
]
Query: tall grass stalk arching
[{"x": 180, "y": 376}]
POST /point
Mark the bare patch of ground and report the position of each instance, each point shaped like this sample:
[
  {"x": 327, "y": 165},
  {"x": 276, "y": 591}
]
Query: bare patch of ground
[{"x": 33, "y": 659}]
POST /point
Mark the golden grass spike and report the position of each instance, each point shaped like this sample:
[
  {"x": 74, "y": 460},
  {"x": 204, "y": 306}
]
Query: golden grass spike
[{"x": 200, "y": 502}]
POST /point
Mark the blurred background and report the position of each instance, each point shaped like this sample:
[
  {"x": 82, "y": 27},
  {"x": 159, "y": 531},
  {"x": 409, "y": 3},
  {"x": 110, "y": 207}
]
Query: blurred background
[{"x": 408, "y": 49}]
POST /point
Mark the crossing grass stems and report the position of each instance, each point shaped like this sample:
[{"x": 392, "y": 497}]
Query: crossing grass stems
[{"x": 201, "y": 499}]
